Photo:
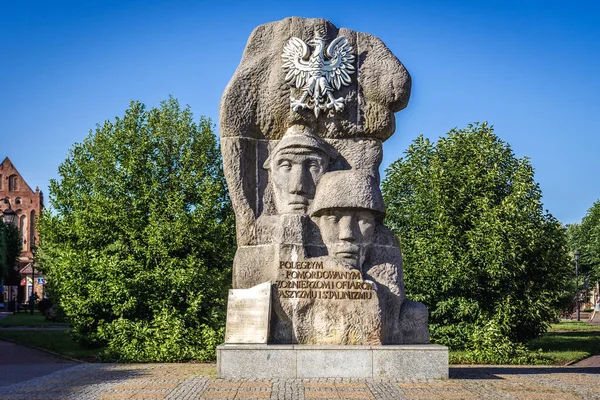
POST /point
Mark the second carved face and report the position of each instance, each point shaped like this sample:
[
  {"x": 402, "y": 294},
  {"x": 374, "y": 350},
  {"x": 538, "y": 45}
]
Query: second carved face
[{"x": 347, "y": 233}]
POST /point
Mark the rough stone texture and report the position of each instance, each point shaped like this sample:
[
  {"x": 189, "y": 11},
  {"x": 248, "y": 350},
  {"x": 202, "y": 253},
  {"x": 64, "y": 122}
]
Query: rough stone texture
[
  {"x": 305, "y": 189},
  {"x": 248, "y": 180},
  {"x": 348, "y": 189},
  {"x": 300, "y": 361},
  {"x": 330, "y": 321},
  {"x": 256, "y": 103},
  {"x": 255, "y": 107},
  {"x": 412, "y": 324}
]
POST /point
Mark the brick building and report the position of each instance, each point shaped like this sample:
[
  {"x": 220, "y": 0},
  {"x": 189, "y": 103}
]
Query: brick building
[{"x": 27, "y": 204}]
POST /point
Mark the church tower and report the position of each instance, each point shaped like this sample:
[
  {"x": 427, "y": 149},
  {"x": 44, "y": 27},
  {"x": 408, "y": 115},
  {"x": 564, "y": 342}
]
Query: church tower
[{"x": 27, "y": 204}]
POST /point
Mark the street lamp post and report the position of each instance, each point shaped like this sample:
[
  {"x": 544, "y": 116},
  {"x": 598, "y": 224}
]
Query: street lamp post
[
  {"x": 32, "y": 289},
  {"x": 32, "y": 284},
  {"x": 577, "y": 254},
  {"x": 9, "y": 215}
]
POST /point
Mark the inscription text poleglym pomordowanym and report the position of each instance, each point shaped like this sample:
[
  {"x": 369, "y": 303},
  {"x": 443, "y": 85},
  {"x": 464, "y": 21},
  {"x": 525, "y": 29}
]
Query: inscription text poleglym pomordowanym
[{"x": 299, "y": 280}]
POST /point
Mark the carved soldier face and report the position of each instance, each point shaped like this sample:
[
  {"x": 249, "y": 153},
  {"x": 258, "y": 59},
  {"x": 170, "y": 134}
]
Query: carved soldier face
[
  {"x": 347, "y": 233},
  {"x": 294, "y": 173}
]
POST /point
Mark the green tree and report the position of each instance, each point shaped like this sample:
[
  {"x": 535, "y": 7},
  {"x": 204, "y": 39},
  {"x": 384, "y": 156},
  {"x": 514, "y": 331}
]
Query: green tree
[
  {"x": 585, "y": 237},
  {"x": 479, "y": 250},
  {"x": 139, "y": 242},
  {"x": 10, "y": 249}
]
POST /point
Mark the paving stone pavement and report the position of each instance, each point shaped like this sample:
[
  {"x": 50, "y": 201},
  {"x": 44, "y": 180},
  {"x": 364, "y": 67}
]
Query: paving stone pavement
[
  {"x": 198, "y": 381},
  {"x": 19, "y": 363}
]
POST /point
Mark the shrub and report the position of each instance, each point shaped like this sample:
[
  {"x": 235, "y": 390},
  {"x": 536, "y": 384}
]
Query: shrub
[{"x": 139, "y": 242}]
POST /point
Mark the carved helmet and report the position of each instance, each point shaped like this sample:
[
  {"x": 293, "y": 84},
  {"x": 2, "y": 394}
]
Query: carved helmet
[
  {"x": 300, "y": 137},
  {"x": 354, "y": 189}
]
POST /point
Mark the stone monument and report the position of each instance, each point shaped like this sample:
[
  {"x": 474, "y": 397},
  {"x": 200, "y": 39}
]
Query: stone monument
[{"x": 318, "y": 289}]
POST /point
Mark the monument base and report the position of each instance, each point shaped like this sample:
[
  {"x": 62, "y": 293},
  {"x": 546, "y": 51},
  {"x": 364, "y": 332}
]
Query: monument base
[{"x": 416, "y": 361}]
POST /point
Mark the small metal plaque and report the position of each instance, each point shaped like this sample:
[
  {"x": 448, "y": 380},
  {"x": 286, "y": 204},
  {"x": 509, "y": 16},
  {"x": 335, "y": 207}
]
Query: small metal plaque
[{"x": 248, "y": 314}]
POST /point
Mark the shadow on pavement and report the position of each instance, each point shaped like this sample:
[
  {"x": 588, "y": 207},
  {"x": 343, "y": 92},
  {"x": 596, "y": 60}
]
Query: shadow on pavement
[
  {"x": 74, "y": 381},
  {"x": 19, "y": 363},
  {"x": 501, "y": 372},
  {"x": 16, "y": 373}
]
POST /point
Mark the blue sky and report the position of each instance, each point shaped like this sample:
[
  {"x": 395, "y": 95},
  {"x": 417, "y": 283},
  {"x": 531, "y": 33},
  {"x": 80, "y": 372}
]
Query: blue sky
[{"x": 530, "y": 68}]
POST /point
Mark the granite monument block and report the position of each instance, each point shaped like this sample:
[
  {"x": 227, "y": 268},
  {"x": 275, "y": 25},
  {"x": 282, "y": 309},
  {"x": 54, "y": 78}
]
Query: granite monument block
[{"x": 302, "y": 125}]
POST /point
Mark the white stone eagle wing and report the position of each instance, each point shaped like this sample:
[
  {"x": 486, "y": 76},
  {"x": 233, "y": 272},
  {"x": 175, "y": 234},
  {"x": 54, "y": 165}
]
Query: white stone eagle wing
[
  {"x": 296, "y": 68},
  {"x": 339, "y": 68}
]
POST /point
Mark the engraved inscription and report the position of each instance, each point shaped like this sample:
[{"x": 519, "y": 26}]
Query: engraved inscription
[
  {"x": 248, "y": 314},
  {"x": 309, "y": 280}
]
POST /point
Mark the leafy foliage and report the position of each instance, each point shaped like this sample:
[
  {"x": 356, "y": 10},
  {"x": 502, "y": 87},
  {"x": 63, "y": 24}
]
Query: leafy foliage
[
  {"x": 478, "y": 248},
  {"x": 585, "y": 237},
  {"x": 44, "y": 305},
  {"x": 139, "y": 246},
  {"x": 10, "y": 249}
]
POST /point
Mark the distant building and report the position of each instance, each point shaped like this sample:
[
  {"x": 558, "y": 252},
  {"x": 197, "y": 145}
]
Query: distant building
[{"x": 27, "y": 204}]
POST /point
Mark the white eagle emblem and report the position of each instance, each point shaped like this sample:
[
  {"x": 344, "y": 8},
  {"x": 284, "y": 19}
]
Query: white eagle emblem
[{"x": 316, "y": 75}]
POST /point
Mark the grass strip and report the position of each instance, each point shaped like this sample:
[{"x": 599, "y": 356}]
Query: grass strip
[
  {"x": 573, "y": 326},
  {"x": 566, "y": 346},
  {"x": 28, "y": 320},
  {"x": 564, "y": 343}
]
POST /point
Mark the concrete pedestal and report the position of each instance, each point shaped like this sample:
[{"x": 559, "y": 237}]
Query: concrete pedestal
[{"x": 305, "y": 361}]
